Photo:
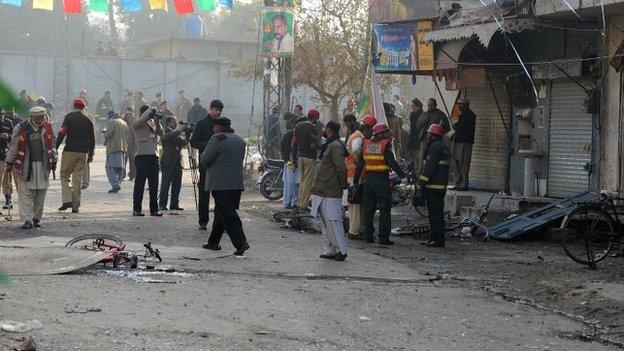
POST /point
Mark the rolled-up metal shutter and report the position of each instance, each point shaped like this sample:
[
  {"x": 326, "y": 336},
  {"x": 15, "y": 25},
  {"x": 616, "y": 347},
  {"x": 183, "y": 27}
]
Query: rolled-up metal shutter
[
  {"x": 570, "y": 141},
  {"x": 489, "y": 152}
]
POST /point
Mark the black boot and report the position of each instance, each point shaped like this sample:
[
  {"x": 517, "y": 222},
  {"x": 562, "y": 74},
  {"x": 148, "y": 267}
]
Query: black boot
[
  {"x": 7, "y": 202},
  {"x": 65, "y": 206}
]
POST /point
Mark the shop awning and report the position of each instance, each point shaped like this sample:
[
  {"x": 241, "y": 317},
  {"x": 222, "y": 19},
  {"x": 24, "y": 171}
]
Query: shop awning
[
  {"x": 483, "y": 31},
  {"x": 447, "y": 53}
]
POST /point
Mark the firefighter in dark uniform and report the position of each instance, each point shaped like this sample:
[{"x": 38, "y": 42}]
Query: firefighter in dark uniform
[
  {"x": 434, "y": 179},
  {"x": 376, "y": 160}
]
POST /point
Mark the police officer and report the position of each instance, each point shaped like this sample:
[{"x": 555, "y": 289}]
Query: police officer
[
  {"x": 376, "y": 160},
  {"x": 434, "y": 179}
]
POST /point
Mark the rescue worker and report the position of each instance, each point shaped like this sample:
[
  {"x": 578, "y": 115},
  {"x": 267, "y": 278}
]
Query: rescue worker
[
  {"x": 376, "y": 160},
  {"x": 354, "y": 148},
  {"x": 434, "y": 179}
]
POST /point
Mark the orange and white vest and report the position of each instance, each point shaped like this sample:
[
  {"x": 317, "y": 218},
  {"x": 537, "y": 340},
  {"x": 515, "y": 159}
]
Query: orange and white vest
[
  {"x": 350, "y": 161},
  {"x": 374, "y": 156}
]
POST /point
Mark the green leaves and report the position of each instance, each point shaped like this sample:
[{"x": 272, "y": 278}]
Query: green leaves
[{"x": 8, "y": 100}]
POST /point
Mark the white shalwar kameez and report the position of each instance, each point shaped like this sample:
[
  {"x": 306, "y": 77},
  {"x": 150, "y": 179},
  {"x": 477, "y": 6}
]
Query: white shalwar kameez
[{"x": 330, "y": 211}]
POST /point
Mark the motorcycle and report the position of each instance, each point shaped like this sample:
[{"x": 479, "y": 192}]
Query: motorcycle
[
  {"x": 405, "y": 194},
  {"x": 270, "y": 182}
]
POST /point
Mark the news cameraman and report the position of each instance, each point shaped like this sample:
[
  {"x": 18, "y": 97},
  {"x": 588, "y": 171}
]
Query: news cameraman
[
  {"x": 199, "y": 139},
  {"x": 147, "y": 129}
]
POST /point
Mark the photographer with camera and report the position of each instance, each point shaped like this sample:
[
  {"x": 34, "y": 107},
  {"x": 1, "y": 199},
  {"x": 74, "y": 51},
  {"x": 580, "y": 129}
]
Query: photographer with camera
[
  {"x": 171, "y": 163},
  {"x": 147, "y": 129},
  {"x": 199, "y": 139}
]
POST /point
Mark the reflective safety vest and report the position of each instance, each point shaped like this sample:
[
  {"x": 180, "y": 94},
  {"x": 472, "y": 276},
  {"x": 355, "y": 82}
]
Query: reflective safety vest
[
  {"x": 374, "y": 156},
  {"x": 350, "y": 161}
]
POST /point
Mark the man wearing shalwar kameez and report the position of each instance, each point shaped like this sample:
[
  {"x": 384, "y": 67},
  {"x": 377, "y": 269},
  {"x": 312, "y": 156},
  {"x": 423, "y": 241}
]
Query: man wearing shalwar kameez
[
  {"x": 32, "y": 156},
  {"x": 329, "y": 182}
]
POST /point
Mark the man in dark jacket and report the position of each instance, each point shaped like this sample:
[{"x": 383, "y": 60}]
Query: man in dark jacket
[
  {"x": 78, "y": 151},
  {"x": 222, "y": 160},
  {"x": 433, "y": 116},
  {"x": 434, "y": 179},
  {"x": 462, "y": 144},
  {"x": 197, "y": 112},
  {"x": 171, "y": 164},
  {"x": 199, "y": 139},
  {"x": 306, "y": 142}
]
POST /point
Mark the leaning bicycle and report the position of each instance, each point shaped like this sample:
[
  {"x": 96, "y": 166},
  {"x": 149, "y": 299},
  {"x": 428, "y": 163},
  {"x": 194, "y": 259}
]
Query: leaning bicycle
[{"x": 593, "y": 231}]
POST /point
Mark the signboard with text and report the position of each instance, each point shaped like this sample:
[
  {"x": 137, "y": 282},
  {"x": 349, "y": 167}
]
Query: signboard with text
[{"x": 400, "y": 47}]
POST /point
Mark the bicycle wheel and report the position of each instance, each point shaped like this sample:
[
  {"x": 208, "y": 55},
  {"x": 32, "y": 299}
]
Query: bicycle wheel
[
  {"x": 87, "y": 241},
  {"x": 588, "y": 235}
]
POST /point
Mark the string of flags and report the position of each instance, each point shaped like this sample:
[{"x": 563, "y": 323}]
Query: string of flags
[{"x": 75, "y": 6}]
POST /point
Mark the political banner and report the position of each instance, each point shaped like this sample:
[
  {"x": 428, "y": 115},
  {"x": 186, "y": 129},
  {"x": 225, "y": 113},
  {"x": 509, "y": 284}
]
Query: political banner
[
  {"x": 394, "y": 47},
  {"x": 278, "y": 32}
]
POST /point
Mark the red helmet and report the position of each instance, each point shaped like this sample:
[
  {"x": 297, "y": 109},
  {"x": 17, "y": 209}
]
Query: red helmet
[
  {"x": 369, "y": 120},
  {"x": 78, "y": 102},
  {"x": 380, "y": 128},
  {"x": 436, "y": 129}
]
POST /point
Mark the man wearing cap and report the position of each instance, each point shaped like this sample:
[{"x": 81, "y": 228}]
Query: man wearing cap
[
  {"x": 32, "y": 156},
  {"x": 203, "y": 132},
  {"x": 462, "y": 144},
  {"x": 375, "y": 161},
  {"x": 147, "y": 129},
  {"x": 434, "y": 179},
  {"x": 354, "y": 149},
  {"x": 305, "y": 144},
  {"x": 78, "y": 151},
  {"x": 330, "y": 181},
  {"x": 222, "y": 161},
  {"x": 116, "y": 141}
]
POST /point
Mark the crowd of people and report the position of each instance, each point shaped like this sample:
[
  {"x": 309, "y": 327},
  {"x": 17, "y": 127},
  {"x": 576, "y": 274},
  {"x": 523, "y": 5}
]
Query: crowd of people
[
  {"x": 29, "y": 151},
  {"x": 323, "y": 175}
]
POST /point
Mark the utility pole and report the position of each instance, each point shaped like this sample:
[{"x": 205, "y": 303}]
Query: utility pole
[
  {"x": 276, "y": 83},
  {"x": 112, "y": 25}
]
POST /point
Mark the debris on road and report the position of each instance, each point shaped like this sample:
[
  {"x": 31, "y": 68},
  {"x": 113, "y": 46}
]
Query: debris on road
[
  {"x": 83, "y": 310},
  {"x": 10, "y": 326}
]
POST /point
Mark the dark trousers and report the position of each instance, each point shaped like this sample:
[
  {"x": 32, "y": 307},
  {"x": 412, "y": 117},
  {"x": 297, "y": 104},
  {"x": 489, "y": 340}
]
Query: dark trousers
[
  {"x": 204, "y": 199},
  {"x": 171, "y": 178},
  {"x": 226, "y": 218},
  {"x": 147, "y": 169},
  {"x": 435, "y": 209},
  {"x": 377, "y": 194}
]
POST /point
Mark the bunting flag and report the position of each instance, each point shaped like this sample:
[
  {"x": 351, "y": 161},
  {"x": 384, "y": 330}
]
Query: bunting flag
[
  {"x": 131, "y": 5},
  {"x": 98, "y": 5},
  {"x": 227, "y": 3},
  {"x": 43, "y": 5},
  {"x": 12, "y": 2},
  {"x": 158, "y": 4},
  {"x": 206, "y": 5},
  {"x": 183, "y": 6},
  {"x": 71, "y": 6},
  {"x": 370, "y": 101}
]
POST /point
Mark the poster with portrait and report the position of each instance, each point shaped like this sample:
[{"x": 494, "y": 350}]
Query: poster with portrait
[
  {"x": 278, "y": 32},
  {"x": 394, "y": 47}
]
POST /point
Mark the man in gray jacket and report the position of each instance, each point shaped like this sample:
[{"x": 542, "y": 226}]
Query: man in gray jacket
[
  {"x": 116, "y": 141},
  {"x": 223, "y": 160}
]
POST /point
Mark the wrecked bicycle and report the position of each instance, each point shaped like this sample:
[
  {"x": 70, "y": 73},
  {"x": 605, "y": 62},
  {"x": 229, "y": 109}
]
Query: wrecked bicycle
[
  {"x": 593, "y": 231},
  {"x": 115, "y": 250}
]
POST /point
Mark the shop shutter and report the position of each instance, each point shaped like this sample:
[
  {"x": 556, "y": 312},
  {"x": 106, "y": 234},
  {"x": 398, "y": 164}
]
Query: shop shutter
[
  {"x": 489, "y": 152},
  {"x": 570, "y": 139}
]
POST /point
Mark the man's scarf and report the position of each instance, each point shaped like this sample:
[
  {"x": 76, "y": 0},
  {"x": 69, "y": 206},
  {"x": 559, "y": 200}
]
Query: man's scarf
[{"x": 329, "y": 141}]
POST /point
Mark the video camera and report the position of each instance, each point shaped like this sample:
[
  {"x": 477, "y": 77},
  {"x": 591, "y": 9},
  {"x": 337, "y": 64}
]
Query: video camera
[{"x": 189, "y": 127}]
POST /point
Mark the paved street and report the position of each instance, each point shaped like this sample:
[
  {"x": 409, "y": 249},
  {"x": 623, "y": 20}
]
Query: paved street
[{"x": 283, "y": 297}]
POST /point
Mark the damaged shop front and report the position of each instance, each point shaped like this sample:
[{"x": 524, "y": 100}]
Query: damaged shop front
[{"x": 534, "y": 89}]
